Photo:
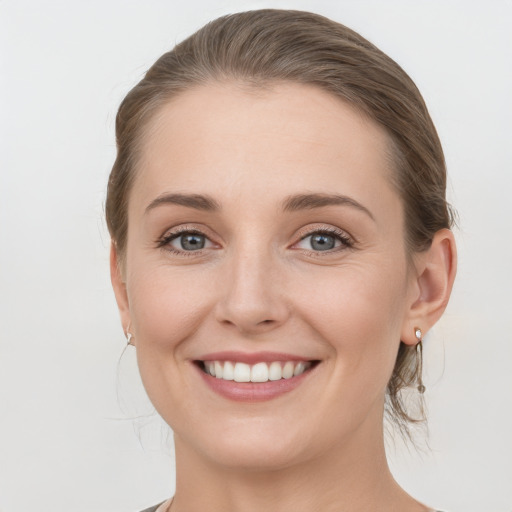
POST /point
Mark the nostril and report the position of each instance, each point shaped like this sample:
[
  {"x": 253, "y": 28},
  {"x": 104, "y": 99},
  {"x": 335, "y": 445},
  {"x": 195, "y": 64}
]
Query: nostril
[{"x": 250, "y": 316}]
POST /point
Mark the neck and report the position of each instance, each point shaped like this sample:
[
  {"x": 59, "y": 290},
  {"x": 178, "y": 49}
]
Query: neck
[{"x": 353, "y": 476}]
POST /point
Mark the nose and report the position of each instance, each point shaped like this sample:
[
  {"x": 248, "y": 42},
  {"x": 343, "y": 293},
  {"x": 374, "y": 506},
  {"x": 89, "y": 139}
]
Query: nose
[{"x": 252, "y": 298}]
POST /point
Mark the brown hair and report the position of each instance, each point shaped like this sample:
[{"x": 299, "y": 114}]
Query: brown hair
[{"x": 268, "y": 46}]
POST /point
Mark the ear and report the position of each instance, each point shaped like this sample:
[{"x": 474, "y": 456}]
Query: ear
[
  {"x": 431, "y": 286},
  {"x": 119, "y": 286}
]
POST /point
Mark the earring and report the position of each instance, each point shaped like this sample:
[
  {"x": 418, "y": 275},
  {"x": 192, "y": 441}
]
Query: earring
[
  {"x": 419, "y": 355},
  {"x": 128, "y": 335}
]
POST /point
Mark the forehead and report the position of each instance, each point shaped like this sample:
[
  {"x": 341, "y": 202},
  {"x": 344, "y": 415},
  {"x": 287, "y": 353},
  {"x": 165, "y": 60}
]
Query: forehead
[{"x": 228, "y": 140}]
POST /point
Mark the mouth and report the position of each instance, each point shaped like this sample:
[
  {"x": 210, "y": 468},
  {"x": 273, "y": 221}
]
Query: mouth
[
  {"x": 256, "y": 377},
  {"x": 258, "y": 373}
]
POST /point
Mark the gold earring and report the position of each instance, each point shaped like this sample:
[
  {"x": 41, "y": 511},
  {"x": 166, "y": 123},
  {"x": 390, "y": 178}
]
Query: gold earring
[{"x": 419, "y": 355}]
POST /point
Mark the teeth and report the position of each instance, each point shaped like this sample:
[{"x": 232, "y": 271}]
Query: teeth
[
  {"x": 299, "y": 368},
  {"x": 259, "y": 372},
  {"x": 242, "y": 372},
  {"x": 210, "y": 368},
  {"x": 228, "y": 371},
  {"x": 274, "y": 371},
  {"x": 288, "y": 370}
]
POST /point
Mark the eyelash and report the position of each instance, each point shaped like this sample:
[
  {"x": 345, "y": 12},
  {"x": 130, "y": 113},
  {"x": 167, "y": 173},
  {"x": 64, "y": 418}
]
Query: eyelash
[
  {"x": 346, "y": 241},
  {"x": 165, "y": 241}
]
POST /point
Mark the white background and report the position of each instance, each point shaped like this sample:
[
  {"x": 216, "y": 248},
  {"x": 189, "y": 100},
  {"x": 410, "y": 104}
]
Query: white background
[{"x": 65, "y": 441}]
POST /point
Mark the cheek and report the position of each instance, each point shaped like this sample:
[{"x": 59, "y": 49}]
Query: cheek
[
  {"x": 166, "y": 305},
  {"x": 358, "y": 311}
]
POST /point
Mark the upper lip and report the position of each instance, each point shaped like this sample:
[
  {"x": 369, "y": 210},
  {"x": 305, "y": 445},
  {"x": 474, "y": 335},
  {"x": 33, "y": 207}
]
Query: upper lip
[{"x": 252, "y": 357}]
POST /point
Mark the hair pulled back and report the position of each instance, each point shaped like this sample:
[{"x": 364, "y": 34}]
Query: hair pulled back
[{"x": 268, "y": 46}]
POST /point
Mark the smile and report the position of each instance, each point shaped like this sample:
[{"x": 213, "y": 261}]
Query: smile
[
  {"x": 259, "y": 372},
  {"x": 254, "y": 377}
]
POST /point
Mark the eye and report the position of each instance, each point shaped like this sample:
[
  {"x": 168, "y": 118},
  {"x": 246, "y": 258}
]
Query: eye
[
  {"x": 189, "y": 242},
  {"x": 322, "y": 241},
  {"x": 185, "y": 241}
]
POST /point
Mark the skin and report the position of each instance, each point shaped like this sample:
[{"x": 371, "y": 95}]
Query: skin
[{"x": 259, "y": 285}]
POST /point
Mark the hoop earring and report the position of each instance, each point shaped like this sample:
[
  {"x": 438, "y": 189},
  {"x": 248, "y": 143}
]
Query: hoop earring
[{"x": 419, "y": 354}]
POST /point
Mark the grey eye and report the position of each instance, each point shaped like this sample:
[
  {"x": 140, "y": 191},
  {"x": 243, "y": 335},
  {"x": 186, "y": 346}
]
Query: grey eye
[
  {"x": 189, "y": 242},
  {"x": 322, "y": 242}
]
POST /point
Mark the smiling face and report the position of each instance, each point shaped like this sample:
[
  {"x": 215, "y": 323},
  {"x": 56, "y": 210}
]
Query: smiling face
[{"x": 265, "y": 239}]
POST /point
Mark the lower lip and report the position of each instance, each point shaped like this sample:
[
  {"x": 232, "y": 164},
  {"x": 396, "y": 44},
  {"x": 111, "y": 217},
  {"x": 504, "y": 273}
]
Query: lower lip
[{"x": 252, "y": 391}]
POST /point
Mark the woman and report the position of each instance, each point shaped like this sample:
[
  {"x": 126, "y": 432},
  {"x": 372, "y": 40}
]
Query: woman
[{"x": 280, "y": 246}]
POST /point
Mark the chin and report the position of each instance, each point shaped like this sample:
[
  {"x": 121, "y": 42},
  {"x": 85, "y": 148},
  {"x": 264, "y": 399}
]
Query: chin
[
  {"x": 264, "y": 456},
  {"x": 253, "y": 445}
]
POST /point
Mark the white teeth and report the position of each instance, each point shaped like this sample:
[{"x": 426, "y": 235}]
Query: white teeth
[
  {"x": 299, "y": 368},
  {"x": 210, "y": 368},
  {"x": 288, "y": 370},
  {"x": 242, "y": 372},
  {"x": 228, "y": 371},
  {"x": 275, "y": 371},
  {"x": 259, "y": 372}
]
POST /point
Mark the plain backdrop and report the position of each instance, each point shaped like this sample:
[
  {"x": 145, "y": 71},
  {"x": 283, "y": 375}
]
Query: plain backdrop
[{"x": 76, "y": 431}]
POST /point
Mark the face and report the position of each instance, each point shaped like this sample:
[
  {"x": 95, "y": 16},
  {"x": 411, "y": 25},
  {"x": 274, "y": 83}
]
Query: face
[{"x": 265, "y": 247}]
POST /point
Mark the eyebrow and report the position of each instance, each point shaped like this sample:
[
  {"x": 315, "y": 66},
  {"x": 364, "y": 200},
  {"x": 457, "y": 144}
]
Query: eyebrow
[
  {"x": 196, "y": 201},
  {"x": 310, "y": 201},
  {"x": 291, "y": 204}
]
